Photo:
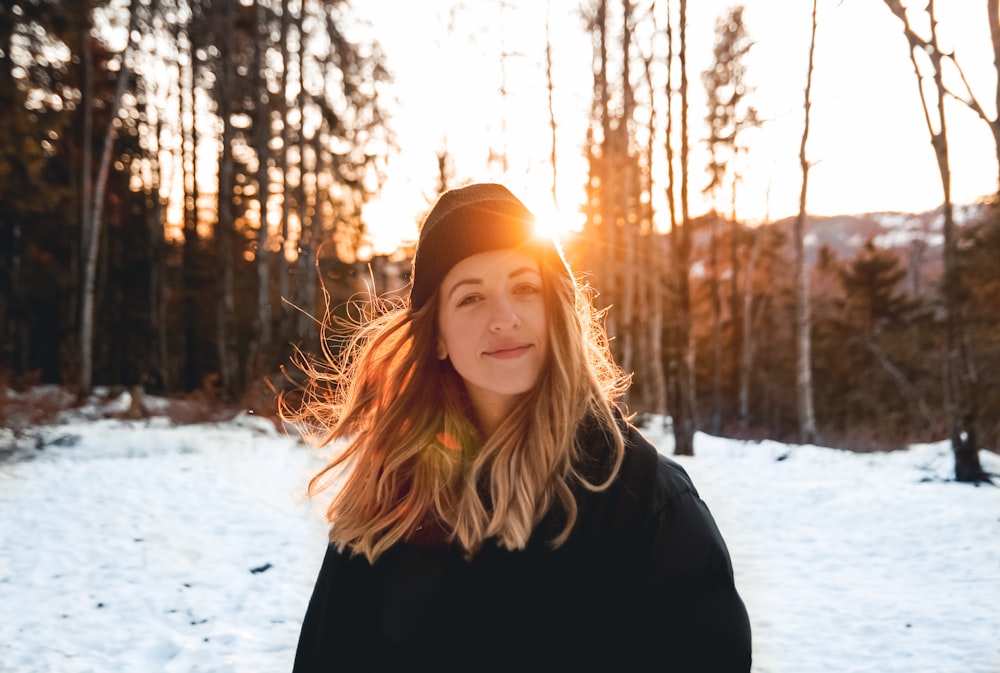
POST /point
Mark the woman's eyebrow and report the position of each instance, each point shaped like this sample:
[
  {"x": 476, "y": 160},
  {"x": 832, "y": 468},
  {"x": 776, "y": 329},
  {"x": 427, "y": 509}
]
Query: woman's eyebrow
[
  {"x": 474, "y": 280},
  {"x": 464, "y": 281},
  {"x": 522, "y": 270}
]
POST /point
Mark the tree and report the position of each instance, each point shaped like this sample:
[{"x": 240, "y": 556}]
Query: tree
[
  {"x": 728, "y": 116},
  {"x": 92, "y": 225},
  {"x": 969, "y": 97},
  {"x": 626, "y": 189},
  {"x": 600, "y": 225},
  {"x": 621, "y": 241},
  {"x": 139, "y": 170},
  {"x": 803, "y": 318},
  {"x": 262, "y": 137},
  {"x": 550, "y": 86},
  {"x": 746, "y": 324},
  {"x": 27, "y": 155},
  {"x": 875, "y": 307},
  {"x": 654, "y": 258},
  {"x": 961, "y": 378},
  {"x": 978, "y": 255},
  {"x": 683, "y": 361}
]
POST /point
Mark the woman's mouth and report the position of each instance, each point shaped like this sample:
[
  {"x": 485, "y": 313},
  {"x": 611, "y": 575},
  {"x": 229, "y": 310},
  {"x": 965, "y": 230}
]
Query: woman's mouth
[{"x": 508, "y": 351}]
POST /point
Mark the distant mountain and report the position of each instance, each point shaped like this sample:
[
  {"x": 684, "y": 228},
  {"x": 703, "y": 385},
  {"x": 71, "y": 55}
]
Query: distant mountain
[
  {"x": 916, "y": 238},
  {"x": 906, "y": 233}
]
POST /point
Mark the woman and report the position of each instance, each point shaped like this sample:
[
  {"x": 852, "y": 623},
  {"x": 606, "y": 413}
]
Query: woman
[{"x": 494, "y": 510}]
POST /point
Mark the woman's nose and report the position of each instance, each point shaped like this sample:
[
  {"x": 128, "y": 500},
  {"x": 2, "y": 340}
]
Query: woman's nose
[{"x": 503, "y": 314}]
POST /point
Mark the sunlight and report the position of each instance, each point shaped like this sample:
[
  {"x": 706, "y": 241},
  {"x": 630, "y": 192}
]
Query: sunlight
[
  {"x": 392, "y": 222},
  {"x": 553, "y": 223},
  {"x": 515, "y": 126}
]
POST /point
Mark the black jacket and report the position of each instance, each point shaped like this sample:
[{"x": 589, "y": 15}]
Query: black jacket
[{"x": 644, "y": 583}]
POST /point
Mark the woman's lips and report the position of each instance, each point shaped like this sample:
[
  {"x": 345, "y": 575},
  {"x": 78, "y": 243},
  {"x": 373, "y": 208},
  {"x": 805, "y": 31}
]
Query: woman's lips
[{"x": 508, "y": 351}]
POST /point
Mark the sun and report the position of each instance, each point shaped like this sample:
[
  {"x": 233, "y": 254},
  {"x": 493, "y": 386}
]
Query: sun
[{"x": 551, "y": 222}]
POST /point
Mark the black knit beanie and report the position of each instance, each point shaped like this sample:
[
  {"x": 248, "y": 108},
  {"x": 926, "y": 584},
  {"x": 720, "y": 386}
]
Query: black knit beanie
[{"x": 467, "y": 221}]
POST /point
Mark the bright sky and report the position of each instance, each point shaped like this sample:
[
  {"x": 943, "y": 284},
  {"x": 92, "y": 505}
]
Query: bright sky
[
  {"x": 149, "y": 546},
  {"x": 868, "y": 139}
]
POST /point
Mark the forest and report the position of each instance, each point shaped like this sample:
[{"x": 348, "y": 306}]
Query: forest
[{"x": 182, "y": 185}]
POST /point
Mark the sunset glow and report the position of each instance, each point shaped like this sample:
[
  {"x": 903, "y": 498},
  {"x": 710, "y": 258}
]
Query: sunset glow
[{"x": 868, "y": 145}]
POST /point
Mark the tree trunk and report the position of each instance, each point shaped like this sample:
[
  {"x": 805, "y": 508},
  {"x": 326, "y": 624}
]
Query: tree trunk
[
  {"x": 656, "y": 397},
  {"x": 746, "y": 326},
  {"x": 224, "y": 231},
  {"x": 605, "y": 270},
  {"x": 263, "y": 340},
  {"x": 628, "y": 201},
  {"x": 993, "y": 21},
  {"x": 191, "y": 276},
  {"x": 157, "y": 376},
  {"x": 655, "y": 326},
  {"x": 684, "y": 413},
  {"x": 309, "y": 240},
  {"x": 87, "y": 165},
  {"x": 735, "y": 297},
  {"x": 550, "y": 84},
  {"x": 715, "y": 423},
  {"x": 803, "y": 317},
  {"x": 286, "y": 319},
  {"x": 92, "y": 228}
]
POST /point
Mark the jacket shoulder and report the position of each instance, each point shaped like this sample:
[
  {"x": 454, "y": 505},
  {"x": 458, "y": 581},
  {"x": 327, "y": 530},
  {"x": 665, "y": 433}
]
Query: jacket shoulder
[{"x": 660, "y": 478}]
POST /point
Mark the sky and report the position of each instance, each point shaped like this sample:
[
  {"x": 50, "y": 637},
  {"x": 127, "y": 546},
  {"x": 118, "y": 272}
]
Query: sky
[
  {"x": 868, "y": 141},
  {"x": 149, "y": 546}
]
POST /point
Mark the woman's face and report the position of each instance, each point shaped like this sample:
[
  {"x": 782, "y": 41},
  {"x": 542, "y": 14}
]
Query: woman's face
[{"x": 491, "y": 321}]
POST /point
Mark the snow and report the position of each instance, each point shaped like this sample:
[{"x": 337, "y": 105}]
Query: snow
[{"x": 151, "y": 546}]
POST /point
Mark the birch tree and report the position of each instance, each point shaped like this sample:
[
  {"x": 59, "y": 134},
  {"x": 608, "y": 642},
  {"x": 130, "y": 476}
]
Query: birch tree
[
  {"x": 92, "y": 225},
  {"x": 803, "y": 318}
]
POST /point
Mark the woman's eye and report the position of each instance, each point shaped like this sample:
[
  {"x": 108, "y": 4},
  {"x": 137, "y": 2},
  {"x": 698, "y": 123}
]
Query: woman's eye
[
  {"x": 527, "y": 289},
  {"x": 467, "y": 300}
]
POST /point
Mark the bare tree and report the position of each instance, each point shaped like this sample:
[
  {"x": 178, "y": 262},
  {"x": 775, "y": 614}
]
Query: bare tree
[
  {"x": 729, "y": 115},
  {"x": 683, "y": 412},
  {"x": 309, "y": 237},
  {"x": 502, "y": 156},
  {"x": 654, "y": 259},
  {"x": 287, "y": 321},
  {"x": 961, "y": 379},
  {"x": 605, "y": 265},
  {"x": 87, "y": 167},
  {"x": 92, "y": 228},
  {"x": 225, "y": 233},
  {"x": 262, "y": 132},
  {"x": 157, "y": 372},
  {"x": 969, "y": 98},
  {"x": 803, "y": 317},
  {"x": 617, "y": 210},
  {"x": 190, "y": 41},
  {"x": 626, "y": 190},
  {"x": 552, "y": 108}
]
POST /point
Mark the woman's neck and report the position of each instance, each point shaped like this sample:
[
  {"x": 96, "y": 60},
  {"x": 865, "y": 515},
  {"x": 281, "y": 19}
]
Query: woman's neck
[{"x": 490, "y": 413}]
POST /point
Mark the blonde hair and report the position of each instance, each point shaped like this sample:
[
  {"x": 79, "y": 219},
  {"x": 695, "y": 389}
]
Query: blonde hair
[{"x": 413, "y": 455}]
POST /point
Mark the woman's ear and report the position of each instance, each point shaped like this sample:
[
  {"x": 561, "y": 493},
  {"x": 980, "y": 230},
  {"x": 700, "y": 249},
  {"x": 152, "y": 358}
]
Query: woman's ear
[{"x": 442, "y": 350}]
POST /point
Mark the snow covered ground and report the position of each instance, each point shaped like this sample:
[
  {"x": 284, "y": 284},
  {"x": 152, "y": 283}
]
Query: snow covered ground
[{"x": 148, "y": 546}]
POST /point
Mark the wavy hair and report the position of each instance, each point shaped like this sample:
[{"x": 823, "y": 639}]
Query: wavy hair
[{"x": 413, "y": 462}]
